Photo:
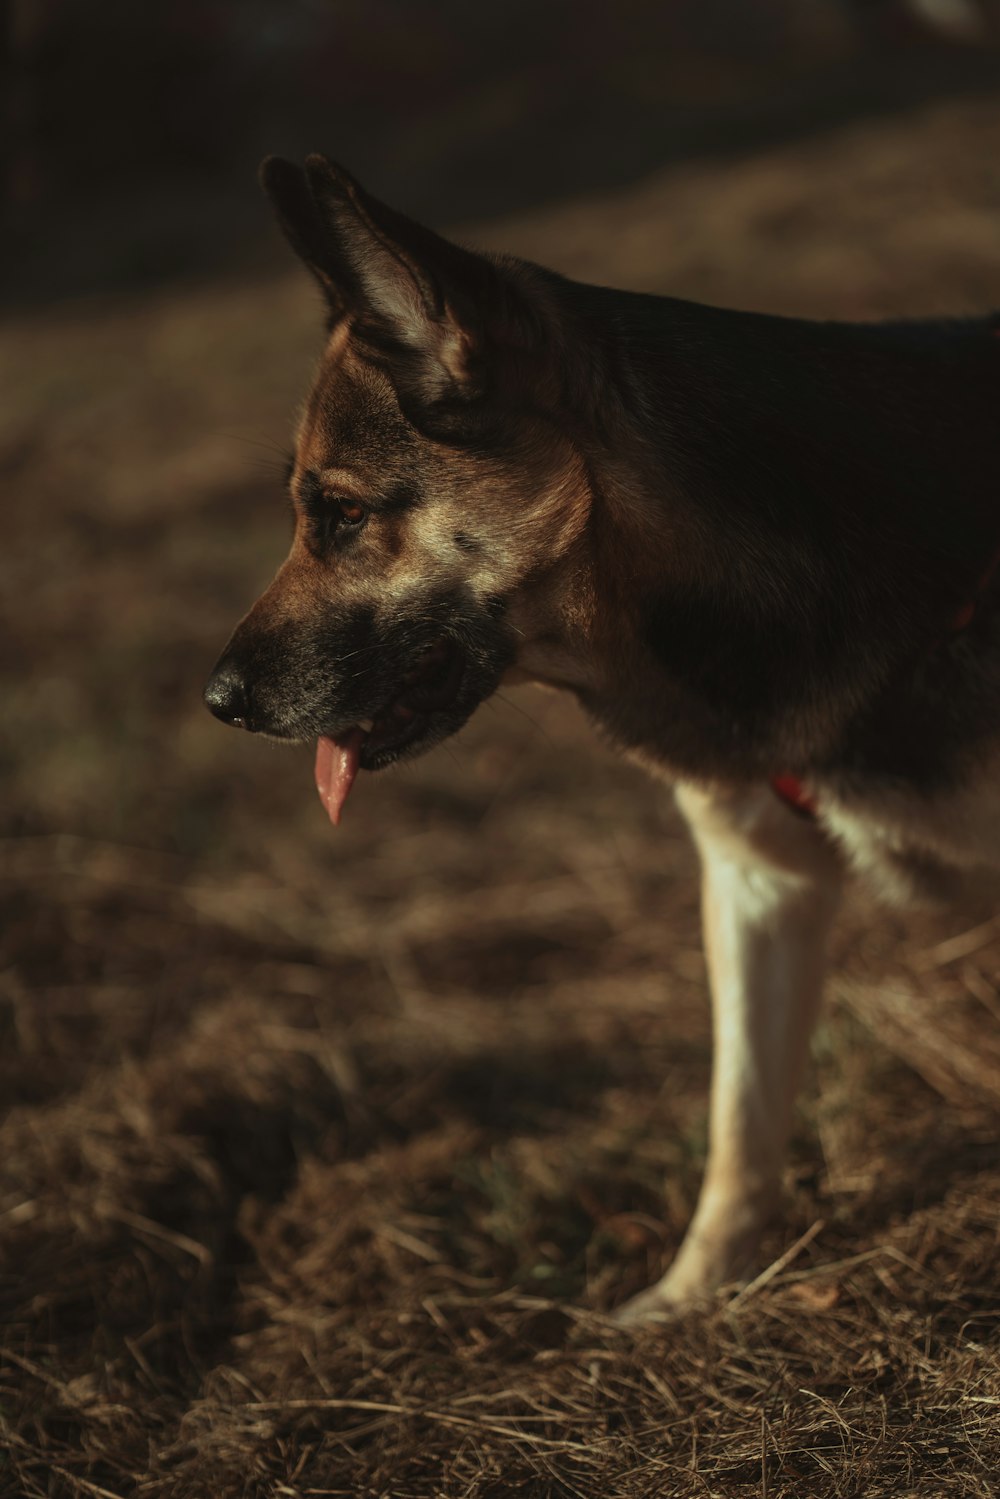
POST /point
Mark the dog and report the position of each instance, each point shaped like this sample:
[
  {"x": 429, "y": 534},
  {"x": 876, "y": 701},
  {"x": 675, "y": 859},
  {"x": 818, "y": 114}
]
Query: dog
[{"x": 758, "y": 550}]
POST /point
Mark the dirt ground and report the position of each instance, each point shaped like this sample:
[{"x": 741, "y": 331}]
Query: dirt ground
[{"x": 327, "y": 1154}]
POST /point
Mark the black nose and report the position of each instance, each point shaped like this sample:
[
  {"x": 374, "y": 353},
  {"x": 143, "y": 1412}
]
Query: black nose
[{"x": 227, "y": 696}]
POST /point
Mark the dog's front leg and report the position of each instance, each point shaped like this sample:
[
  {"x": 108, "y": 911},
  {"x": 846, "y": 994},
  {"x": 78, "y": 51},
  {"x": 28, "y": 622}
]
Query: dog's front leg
[{"x": 770, "y": 883}]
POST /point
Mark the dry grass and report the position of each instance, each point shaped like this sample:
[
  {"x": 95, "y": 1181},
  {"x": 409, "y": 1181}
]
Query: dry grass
[{"x": 327, "y": 1156}]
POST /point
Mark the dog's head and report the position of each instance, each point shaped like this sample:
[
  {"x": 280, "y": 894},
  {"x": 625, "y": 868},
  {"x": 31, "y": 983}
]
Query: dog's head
[{"x": 439, "y": 504}]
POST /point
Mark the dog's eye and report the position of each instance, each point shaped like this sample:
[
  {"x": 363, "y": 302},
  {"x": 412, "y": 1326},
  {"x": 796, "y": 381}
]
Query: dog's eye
[{"x": 351, "y": 512}]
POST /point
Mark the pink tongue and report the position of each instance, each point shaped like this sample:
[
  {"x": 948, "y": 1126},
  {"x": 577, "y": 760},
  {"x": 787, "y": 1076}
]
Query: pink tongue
[{"x": 337, "y": 763}]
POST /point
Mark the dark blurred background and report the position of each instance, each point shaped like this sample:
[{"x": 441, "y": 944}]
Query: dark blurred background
[
  {"x": 277, "y": 1098},
  {"x": 131, "y": 132}
]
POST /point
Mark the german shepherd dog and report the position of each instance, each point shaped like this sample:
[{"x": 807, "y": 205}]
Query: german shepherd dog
[{"x": 756, "y": 549}]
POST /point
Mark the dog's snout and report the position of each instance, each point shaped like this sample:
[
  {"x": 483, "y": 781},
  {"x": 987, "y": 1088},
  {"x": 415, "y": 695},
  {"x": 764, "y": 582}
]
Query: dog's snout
[{"x": 227, "y": 695}]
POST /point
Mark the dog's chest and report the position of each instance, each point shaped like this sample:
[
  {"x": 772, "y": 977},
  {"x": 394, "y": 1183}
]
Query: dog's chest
[{"x": 914, "y": 845}]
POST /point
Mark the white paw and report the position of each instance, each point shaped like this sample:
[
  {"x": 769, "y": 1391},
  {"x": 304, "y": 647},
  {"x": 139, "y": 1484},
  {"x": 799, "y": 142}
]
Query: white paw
[
  {"x": 648, "y": 1309},
  {"x": 664, "y": 1303}
]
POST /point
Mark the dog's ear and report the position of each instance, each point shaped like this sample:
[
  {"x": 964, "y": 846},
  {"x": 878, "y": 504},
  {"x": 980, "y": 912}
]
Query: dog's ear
[
  {"x": 429, "y": 307},
  {"x": 309, "y": 235},
  {"x": 424, "y": 298}
]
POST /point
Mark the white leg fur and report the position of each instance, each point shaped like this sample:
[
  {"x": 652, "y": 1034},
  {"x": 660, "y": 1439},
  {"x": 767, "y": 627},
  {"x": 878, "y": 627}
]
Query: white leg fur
[{"x": 770, "y": 885}]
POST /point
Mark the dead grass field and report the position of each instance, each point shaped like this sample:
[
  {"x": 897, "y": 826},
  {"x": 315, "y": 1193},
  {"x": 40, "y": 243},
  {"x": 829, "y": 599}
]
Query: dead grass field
[{"x": 325, "y": 1154}]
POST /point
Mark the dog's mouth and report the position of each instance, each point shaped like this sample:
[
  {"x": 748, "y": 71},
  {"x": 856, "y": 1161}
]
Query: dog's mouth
[{"x": 430, "y": 687}]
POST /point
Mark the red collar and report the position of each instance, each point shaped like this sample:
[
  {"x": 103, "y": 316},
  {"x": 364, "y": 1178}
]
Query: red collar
[
  {"x": 792, "y": 792},
  {"x": 964, "y": 617}
]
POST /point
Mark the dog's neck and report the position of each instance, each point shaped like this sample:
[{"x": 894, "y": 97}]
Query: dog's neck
[{"x": 778, "y": 514}]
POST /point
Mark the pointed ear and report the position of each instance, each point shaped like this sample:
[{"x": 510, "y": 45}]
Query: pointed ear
[
  {"x": 425, "y": 300},
  {"x": 311, "y": 238},
  {"x": 431, "y": 310}
]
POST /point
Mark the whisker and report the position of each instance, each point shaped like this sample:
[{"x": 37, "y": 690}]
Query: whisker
[
  {"x": 509, "y": 703},
  {"x": 277, "y": 448}
]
